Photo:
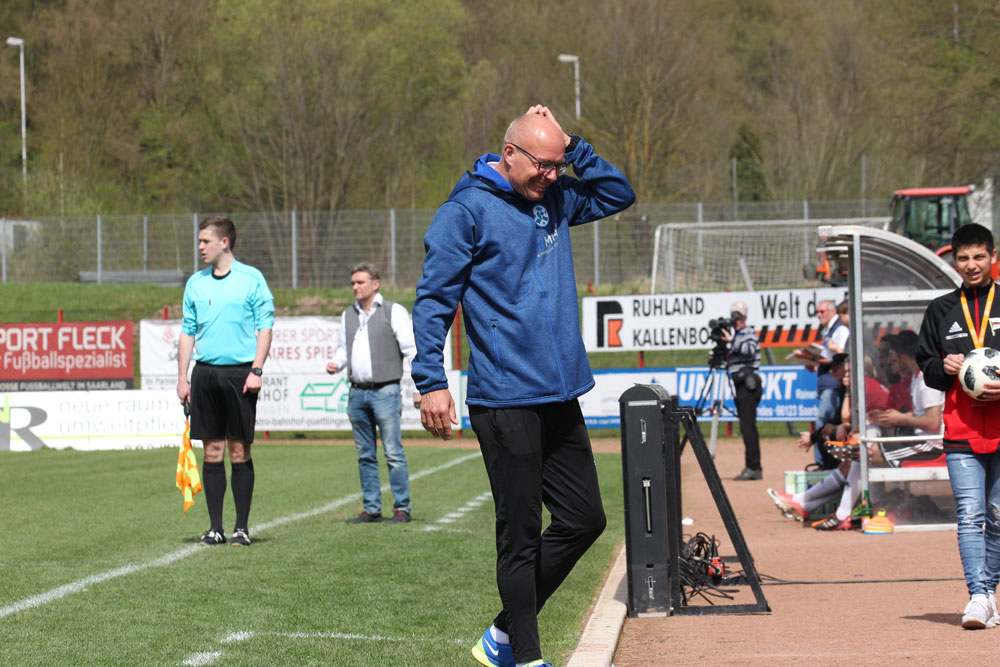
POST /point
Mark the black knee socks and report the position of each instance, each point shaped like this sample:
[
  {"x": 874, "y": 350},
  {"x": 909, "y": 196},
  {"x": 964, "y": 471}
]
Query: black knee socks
[
  {"x": 213, "y": 479},
  {"x": 242, "y": 491}
]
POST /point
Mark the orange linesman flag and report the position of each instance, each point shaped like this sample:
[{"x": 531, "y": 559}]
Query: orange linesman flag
[{"x": 188, "y": 478}]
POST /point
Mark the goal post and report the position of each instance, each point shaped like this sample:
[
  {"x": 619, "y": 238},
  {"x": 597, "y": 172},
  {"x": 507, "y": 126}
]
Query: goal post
[{"x": 717, "y": 256}]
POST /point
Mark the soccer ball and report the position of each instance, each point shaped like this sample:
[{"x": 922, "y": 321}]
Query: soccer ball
[{"x": 981, "y": 365}]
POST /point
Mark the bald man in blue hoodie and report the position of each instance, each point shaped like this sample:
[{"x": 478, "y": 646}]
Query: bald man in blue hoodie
[{"x": 500, "y": 246}]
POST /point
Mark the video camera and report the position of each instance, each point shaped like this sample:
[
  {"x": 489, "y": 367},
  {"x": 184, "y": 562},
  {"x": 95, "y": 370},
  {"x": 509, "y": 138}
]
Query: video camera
[
  {"x": 718, "y": 357},
  {"x": 717, "y": 326}
]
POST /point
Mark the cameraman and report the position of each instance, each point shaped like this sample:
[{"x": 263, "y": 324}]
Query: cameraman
[{"x": 744, "y": 361}]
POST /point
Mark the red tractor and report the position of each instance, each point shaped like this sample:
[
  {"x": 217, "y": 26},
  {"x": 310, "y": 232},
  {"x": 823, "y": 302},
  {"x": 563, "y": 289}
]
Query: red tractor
[{"x": 929, "y": 216}]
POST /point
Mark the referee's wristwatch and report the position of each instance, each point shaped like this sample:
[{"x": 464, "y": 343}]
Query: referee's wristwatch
[{"x": 257, "y": 370}]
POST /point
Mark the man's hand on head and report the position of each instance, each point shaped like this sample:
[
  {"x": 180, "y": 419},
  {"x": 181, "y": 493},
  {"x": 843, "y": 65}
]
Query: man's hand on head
[{"x": 545, "y": 111}]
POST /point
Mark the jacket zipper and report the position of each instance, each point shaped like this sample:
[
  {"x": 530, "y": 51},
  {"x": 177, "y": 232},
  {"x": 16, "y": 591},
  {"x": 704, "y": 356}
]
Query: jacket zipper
[{"x": 496, "y": 348}]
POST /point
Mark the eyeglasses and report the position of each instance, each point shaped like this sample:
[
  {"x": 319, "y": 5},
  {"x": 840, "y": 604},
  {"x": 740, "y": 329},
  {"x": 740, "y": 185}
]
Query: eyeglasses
[{"x": 544, "y": 167}]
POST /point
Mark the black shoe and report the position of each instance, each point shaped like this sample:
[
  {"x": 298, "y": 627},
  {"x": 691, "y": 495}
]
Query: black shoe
[
  {"x": 211, "y": 538},
  {"x": 366, "y": 517},
  {"x": 400, "y": 516},
  {"x": 240, "y": 538},
  {"x": 749, "y": 474}
]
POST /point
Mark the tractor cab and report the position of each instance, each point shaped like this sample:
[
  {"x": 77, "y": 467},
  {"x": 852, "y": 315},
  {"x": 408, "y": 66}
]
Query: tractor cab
[{"x": 930, "y": 216}]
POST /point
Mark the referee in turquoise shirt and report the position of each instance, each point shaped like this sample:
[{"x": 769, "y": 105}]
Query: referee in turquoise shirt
[{"x": 228, "y": 316}]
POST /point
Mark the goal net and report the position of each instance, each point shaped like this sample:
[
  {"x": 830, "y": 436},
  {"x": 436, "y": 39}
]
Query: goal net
[{"x": 759, "y": 254}]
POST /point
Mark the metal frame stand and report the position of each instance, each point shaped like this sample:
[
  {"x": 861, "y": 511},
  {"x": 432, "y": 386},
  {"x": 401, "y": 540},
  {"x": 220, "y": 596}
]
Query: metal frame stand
[
  {"x": 685, "y": 416},
  {"x": 651, "y": 451}
]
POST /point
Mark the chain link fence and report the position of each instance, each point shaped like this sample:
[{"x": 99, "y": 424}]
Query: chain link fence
[{"x": 317, "y": 249}]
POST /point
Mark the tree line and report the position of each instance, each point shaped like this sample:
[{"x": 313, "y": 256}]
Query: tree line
[{"x": 268, "y": 105}]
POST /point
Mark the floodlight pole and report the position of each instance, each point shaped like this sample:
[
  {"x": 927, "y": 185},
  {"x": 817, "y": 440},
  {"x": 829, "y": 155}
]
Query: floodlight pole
[
  {"x": 18, "y": 42},
  {"x": 569, "y": 58}
]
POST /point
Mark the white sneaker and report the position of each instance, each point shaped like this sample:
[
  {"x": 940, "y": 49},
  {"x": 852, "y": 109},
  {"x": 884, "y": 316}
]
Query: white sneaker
[
  {"x": 978, "y": 613},
  {"x": 995, "y": 620}
]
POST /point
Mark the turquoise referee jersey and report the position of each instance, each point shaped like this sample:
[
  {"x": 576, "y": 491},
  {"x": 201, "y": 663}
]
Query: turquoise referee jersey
[{"x": 224, "y": 314}]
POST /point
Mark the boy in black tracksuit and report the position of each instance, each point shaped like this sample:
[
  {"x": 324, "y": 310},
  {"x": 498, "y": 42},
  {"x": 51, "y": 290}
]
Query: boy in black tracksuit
[{"x": 955, "y": 324}]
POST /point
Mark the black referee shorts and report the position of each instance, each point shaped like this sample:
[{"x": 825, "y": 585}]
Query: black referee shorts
[{"x": 219, "y": 408}]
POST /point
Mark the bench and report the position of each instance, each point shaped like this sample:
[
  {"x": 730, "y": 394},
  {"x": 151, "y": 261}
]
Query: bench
[
  {"x": 908, "y": 474},
  {"x": 163, "y": 277}
]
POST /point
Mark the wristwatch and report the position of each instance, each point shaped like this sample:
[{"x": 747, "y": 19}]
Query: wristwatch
[
  {"x": 257, "y": 371},
  {"x": 574, "y": 139}
]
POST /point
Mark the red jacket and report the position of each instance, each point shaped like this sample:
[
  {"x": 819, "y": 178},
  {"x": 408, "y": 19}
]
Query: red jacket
[{"x": 969, "y": 425}]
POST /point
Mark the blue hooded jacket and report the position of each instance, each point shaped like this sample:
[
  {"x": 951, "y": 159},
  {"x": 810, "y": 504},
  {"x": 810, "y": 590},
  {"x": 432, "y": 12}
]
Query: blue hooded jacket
[{"x": 509, "y": 261}]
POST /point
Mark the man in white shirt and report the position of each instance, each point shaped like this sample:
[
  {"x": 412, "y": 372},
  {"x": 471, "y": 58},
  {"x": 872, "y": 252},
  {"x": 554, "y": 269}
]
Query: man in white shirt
[
  {"x": 928, "y": 403},
  {"x": 375, "y": 336}
]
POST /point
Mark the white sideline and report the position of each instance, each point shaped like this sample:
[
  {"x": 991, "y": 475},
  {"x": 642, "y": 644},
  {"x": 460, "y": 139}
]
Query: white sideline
[
  {"x": 81, "y": 584},
  {"x": 202, "y": 658},
  {"x": 451, "y": 517}
]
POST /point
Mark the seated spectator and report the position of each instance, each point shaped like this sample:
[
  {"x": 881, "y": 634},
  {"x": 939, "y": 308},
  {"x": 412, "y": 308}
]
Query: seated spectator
[
  {"x": 825, "y": 430},
  {"x": 923, "y": 419},
  {"x": 876, "y": 394},
  {"x": 843, "y": 314},
  {"x": 843, "y": 482},
  {"x": 896, "y": 382}
]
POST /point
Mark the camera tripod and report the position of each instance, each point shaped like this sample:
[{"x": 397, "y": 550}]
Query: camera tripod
[{"x": 713, "y": 390}]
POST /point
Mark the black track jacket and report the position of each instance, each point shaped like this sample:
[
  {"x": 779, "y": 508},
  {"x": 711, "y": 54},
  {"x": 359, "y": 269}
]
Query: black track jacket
[{"x": 969, "y": 425}]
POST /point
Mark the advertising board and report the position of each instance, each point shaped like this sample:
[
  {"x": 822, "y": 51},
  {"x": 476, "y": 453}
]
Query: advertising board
[
  {"x": 47, "y": 356},
  {"x": 782, "y": 318}
]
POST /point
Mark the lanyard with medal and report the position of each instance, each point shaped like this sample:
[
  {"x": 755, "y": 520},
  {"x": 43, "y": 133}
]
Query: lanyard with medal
[{"x": 978, "y": 337}]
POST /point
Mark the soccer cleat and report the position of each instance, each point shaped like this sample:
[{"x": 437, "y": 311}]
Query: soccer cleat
[
  {"x": 240, "y": 538},
  {"x": 400, "y": 516},
  {"x": 367, "y": 517},
  {"x": 832, "y": 523},
  {"x": 749, "y": 474},
  {"x": 488, "y": 651},
  {"x": 211, "y": 538},
  {"x": 978, "y": 614},
  {"x": 787, "y": 505},
  {"x": 539, "y": 663}
]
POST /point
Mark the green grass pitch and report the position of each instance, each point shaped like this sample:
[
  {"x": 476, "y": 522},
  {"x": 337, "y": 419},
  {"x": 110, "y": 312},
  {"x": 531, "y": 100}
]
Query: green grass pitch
[{"x": 98, "y": 567}]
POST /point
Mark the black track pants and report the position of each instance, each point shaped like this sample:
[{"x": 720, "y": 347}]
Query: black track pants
[
  {"x": 746, "y": 409},
  {"x": 534, "y": 455}
]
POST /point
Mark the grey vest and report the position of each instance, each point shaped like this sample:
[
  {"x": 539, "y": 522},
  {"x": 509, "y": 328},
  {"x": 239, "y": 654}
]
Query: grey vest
[{"x": 387, "y": 358}]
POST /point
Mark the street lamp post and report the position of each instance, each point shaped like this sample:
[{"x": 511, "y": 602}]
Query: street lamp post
[
  {"x": 18, "y": 42},
  {"x": 568, "y": 58}
]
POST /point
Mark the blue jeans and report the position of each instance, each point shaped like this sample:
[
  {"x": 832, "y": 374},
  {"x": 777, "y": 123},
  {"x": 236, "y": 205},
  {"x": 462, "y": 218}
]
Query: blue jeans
[
  {"x": 975, "y": 481},
  {"x": 829, "y": 405},
  {"x": 382, "y": 407}
]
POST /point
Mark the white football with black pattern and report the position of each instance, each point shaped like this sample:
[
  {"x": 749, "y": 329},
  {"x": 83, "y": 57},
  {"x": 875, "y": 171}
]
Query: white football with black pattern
[{"x": 980, "y": 366}]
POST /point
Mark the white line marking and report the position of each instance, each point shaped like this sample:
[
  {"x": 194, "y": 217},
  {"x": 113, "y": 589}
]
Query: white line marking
[
  {"x": 354, "y": 635},
  {"x": 81, "y": 584},
  {"x": 203, "y": 658},
  {"x": 451, "y": 517}
]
